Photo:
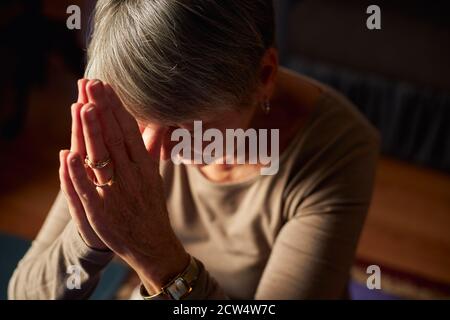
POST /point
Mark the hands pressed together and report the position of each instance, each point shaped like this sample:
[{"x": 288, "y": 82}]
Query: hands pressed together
[{"x": 120, "y": 206}]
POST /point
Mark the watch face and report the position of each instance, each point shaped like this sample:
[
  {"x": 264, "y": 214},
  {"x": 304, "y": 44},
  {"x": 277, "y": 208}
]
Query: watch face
[{"x": 179, "y": 288}]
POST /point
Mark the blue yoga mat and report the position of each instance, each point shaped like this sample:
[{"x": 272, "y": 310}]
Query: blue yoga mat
[
  {"x": 359, "y": 291},
  {"x": 12, "y": 249}
]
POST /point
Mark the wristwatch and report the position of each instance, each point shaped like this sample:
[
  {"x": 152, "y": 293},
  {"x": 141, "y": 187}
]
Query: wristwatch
[{"x": 179, "y": 287}]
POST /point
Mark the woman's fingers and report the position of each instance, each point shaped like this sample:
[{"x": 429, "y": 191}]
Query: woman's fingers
[
  {"x": 77, "y": 139},
  {"x": 76, "y": 208},
  {"x": 85, "y": 189},
  {"x": 128, "y": 125},
  {"x": 112, "y": 134},
  {"x": 82, "y": 96},
  {"x": 95, "y": 147}
]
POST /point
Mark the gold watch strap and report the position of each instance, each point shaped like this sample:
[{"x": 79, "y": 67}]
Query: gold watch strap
[{"x": 179, "y": 287}]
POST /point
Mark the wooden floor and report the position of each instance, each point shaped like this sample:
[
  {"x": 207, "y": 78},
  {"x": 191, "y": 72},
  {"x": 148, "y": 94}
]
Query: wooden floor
[{"x": 408, "y": 227}]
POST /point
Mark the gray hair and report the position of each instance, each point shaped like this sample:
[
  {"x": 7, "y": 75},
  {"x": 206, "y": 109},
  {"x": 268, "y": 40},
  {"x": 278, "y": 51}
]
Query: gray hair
[{"x": 176, "y": 60}]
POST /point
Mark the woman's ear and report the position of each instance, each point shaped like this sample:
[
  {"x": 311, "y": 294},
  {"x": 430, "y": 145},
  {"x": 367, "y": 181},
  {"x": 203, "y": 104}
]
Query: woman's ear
[{"x": 269, "y": 70}]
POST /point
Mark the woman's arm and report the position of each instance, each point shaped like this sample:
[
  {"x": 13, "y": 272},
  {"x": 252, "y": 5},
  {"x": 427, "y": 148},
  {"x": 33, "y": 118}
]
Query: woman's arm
[{"x": 42, "y": 273}]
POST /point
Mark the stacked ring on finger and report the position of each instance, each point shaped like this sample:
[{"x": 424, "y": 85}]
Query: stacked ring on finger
[
  {"x": 106, "y": 184},
  {"x": 97, "y": 164}
]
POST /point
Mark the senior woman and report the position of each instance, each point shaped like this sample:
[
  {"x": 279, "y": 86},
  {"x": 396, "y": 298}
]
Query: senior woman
[{"x": 205, "y": 231}]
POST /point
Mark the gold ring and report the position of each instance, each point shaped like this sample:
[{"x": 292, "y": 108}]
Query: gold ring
[
  {"x": 98, "y": 164},
  {"x": 106, "y": 184}
]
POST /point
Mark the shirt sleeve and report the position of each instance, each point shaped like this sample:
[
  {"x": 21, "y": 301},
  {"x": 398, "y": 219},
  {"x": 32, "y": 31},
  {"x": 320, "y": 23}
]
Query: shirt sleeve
[{"x": 58, "y": 265}]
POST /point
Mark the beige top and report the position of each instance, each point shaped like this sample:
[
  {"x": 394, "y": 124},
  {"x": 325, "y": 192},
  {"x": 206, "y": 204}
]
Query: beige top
[{"x": 288, "y": 236}]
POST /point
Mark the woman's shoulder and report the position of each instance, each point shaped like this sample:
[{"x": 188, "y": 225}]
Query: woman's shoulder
[
  {"x": 334, "y": 154},
  {"x": 338, "y": 117},
  {"x": 325, "y": 105},
  {"x": 334, "y": 125}
]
